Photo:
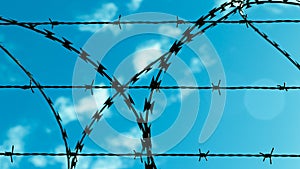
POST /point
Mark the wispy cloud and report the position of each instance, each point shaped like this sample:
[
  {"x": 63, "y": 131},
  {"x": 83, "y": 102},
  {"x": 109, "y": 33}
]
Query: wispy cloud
[
  {"x": 204, "y": 61},
  {"x": 169, "y": 30},
  {"x": 206, "y": 55},
  {"x": 125, "y": 142},
  {"x": 109, "y": 163},
  {"x": 85, "y": 107},
  {"x": 15, "y": 136},
  {"x": 39, "y": 161},
  {"x": 196, "y": 65},
  {"x": 65, "y": 109},
  {"x": 220, "y": 2},
  {"x": 105, "y": 13},
  {"x": 147, "y": 53},
  {"x": 134, "y": 5}
]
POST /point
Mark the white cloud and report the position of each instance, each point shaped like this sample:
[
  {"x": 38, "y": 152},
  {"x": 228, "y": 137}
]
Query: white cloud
[
  {"x": 220, "y": 2},
  {"x": 206, "y": 60},
  {"x": 134, "y": 5},
  {"x": 39, "y": 161},
  {"x": 206, "y": 56},
  {"x": 126, "y": 142},
  {"x": 169, "y": 30},
  {"x": 196, "y": 65},
  {"x": 65, "y": 109},
  {"x": 15, "y": 136},
  {"x": 109, "y": 163},
  {"x": 145, "y": 56},
  {"x": 85, "y": 107},
  {"x": 147, "y": 53},
  {"x": 106, "y": 13}
]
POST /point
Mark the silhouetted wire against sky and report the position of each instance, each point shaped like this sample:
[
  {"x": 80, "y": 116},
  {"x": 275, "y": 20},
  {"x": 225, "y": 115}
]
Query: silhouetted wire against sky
[{"x": 197, "y": 28}]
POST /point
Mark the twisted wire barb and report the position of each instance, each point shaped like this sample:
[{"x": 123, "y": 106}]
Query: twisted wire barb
[{"x": 48, "y": 100}]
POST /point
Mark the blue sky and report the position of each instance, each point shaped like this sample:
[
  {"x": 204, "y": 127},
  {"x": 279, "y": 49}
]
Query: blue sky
[{"x": 252, "y": 121}]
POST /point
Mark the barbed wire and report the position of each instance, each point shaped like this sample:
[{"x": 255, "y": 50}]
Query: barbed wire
[
  {"x": 200, "y": 155},
  {"x": 47, "y": 98},
  {"x": 54, "y": 24},
  {"x": 146, "y": 142},
  {"x": 155, "y": 84},
  {"x": 28, "y": 87},
  {"x": 266, "y": 37}
]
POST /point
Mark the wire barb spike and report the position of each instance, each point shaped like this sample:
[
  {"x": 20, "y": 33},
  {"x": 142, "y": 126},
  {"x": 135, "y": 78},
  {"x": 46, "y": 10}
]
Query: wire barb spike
[
  {"x": 216, "y": 87},
  {"x": 90, "y": 87},
  {"x": 10, "y": 154},
  {"x": 138, "y": 154},
  {"x": 265, "y": 156},
  {"x": 83, "y": 55},
  {"x": 203, "y": 155},
  {"x": 179, "y": 21},
  {"x": 118, "y": 22},
  {"x": 53, "y": 23},
  {"x": 280, "y": 87}
]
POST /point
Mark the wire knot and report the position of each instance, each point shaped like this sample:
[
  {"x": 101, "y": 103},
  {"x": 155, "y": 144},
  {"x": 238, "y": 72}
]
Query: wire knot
[
  {"x": 90, "y": 87},
  {"x": 10, "y": 154},
  {"x": 118, "y": 22},
  {"x": 179, "y": 21},
  {"x": 265, "y": 156},
  {"x": 203, "y": 155},
  {"x": 138, "y": 154},
  {"x": 216, "y": 87},
  {"x": 280, "y": 87}
]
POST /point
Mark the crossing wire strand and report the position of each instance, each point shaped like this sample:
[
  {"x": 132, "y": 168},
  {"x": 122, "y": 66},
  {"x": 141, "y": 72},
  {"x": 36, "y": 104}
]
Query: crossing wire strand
[{"x": 256, "y": 2}]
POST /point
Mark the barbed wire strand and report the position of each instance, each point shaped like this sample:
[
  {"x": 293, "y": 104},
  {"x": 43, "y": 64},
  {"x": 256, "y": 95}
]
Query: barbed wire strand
[
  {"x": 85, "y": 57},
  {"x": 143, "y": 125},
  {"x": 47, "y": 98},
  {"x": 67, "y": 44},
  {"x": 149, "y": 106},
  {"x": 28, "y": 87},
  {"x": 54, "y": 24},
  {"x": 156, "y": 81},
  {"x": 199, "y": 155},
  {"x": 128, "y": 100},
  {"x": 264, "y": 36}
]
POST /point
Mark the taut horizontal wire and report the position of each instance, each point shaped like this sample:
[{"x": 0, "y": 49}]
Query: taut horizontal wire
[
  {"x": 178, "y": 22},
  {"x": 278, "y": 87},
  {"x": 154, "y": 154}
]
